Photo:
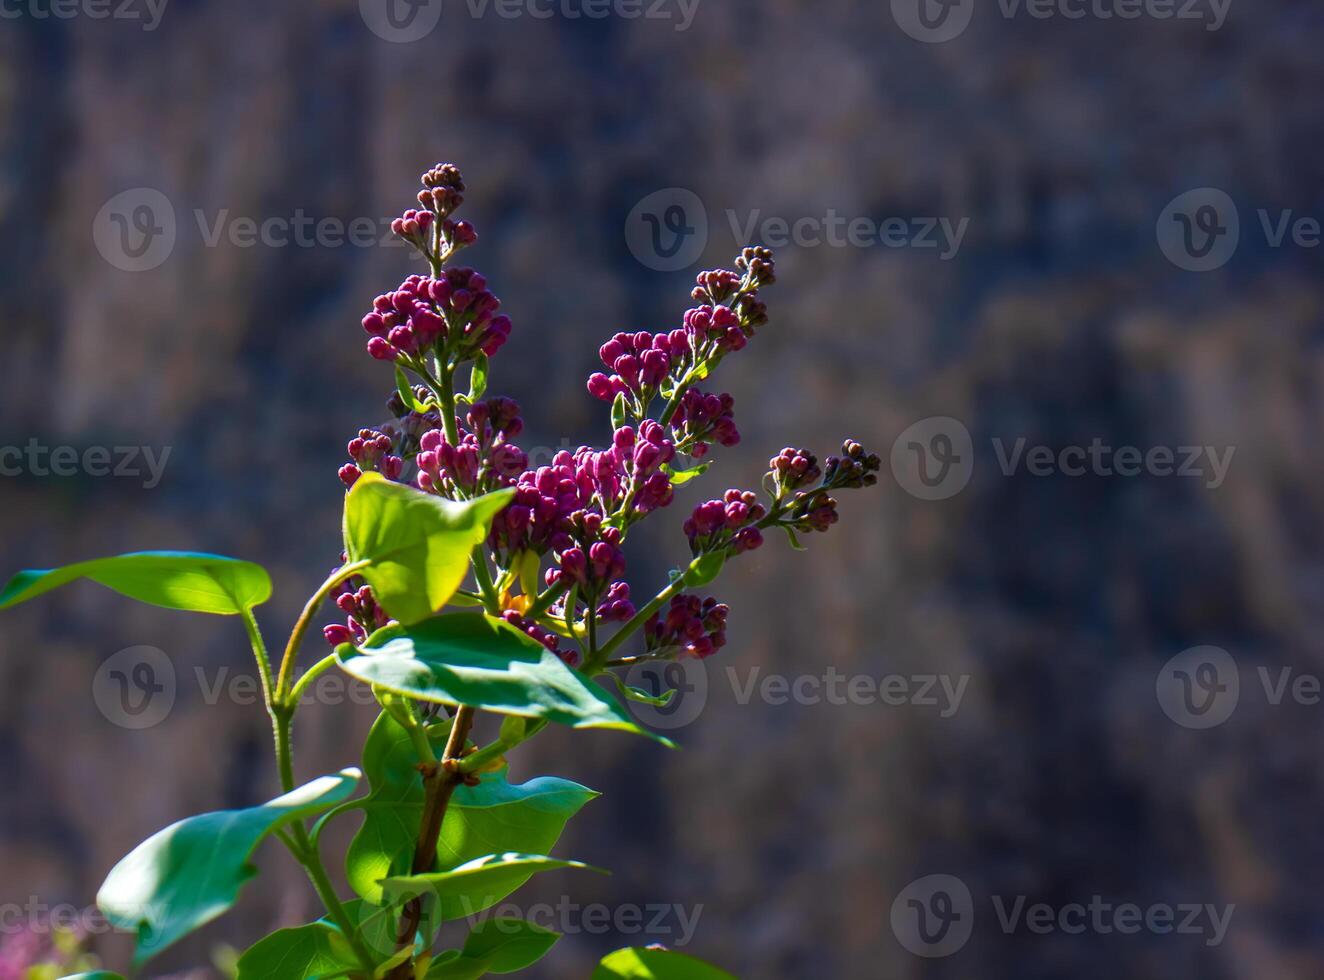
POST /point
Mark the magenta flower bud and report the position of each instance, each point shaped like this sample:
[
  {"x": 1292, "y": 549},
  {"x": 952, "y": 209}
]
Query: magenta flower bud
[
  {"x": 574, "y": 564},
  {"x": 431, "y": 441},
  {"x": 374, "y": 324},
  {"x": 336, "y": 634},
  {"x": 610, "y": 351},
  {"x": 747, "y": 540},
  {"x": 392, "y": 467},
  {"x": 623, "y": 438},
  {"x": 349, "y": 474},
  {"x": 464, "y": 233},
  {"x": 379, "y": 348},
  {"x": 655, "y": 367}
]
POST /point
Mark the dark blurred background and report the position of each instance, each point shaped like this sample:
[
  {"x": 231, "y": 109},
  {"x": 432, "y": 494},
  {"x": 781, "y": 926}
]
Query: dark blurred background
[{"x": 1092, "y": 296}]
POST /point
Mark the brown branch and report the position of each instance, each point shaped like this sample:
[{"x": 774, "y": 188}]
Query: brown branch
[{"x": 439, "y": 782}]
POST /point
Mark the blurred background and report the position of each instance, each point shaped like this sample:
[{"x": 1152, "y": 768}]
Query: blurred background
[{"x": 1057, "y": 263}]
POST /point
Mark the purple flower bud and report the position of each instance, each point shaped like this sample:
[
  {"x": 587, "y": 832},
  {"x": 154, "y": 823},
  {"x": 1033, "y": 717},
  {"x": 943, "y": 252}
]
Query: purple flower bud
[{"x": 336, "y": 634}]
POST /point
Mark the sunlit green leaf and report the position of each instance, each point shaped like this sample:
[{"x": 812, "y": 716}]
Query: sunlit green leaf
[
  {"x": 491, "y": 817},
  {"x": 189, "y": 873},
  {"x": 184, "y": 580},
  {"x": 471, "y": 886},
  {"x": 312, "y": 952},
  {"x": 496, "y": 945},
  {"x": 418, "y": 544},
  {"x": 655, "y": 964},
  {"x": 474, "y": 659}
]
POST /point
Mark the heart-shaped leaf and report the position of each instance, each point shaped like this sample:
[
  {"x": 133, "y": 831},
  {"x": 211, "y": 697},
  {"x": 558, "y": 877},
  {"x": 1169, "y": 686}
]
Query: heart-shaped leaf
[
  {"x": 189, "y": 873},
  {"x": 418, "y": 544},
  {"x": 655, "y": 964},
  {"x": 470, "y": 887},
  {"x": 490, "y": 817},
  {"x": 497, "y": 945},
  {"x": 474, "y": 659},
  {"x": 184, "y": 580}
]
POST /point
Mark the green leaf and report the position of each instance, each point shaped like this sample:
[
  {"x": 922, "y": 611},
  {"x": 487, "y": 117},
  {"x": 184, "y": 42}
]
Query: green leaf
[
  {"x": 478, "y": 377},
  {"x": 795, "y": 542},
  {"x": 189, "y": 873},
  {"x": 488, "y": 818},
  {"x": 174, "y": 579},
  {"x": 470, "y": 887},
  {"x": 655, "y": 964},
  {"x": 681, "y": 477},
  {"x": 706, "y": 569},
  {"x": 94, "y": 975},
  {"x": 308, "y": 952},
  {"x": 471, "y": 658},
  {"x": 618, "y": 411},
  {"x": 406, "y": 391},
  {"x": 418, "y": 543},
  {"x": 497, "y": 945},
  {"x": 638, "y": 693}
]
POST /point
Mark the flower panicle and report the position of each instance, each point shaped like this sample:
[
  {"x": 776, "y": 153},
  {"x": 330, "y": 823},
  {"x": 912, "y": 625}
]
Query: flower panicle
[{"x": 574, "y": 513}]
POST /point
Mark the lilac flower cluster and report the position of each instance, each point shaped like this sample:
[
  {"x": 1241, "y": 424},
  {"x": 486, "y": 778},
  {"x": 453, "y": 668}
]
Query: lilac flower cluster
[
  {"x": 371, "y": 451},
  {"x": 364, "y": 615},
  {"x": 702, "y": 418},
  {"x": 554, "y": 565},
  {"x": 692, "y": 626},
  {"x": 453, "y": 317},
  {"x": 485, "y": 459},
  {"x": 729, "y": 524}
]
